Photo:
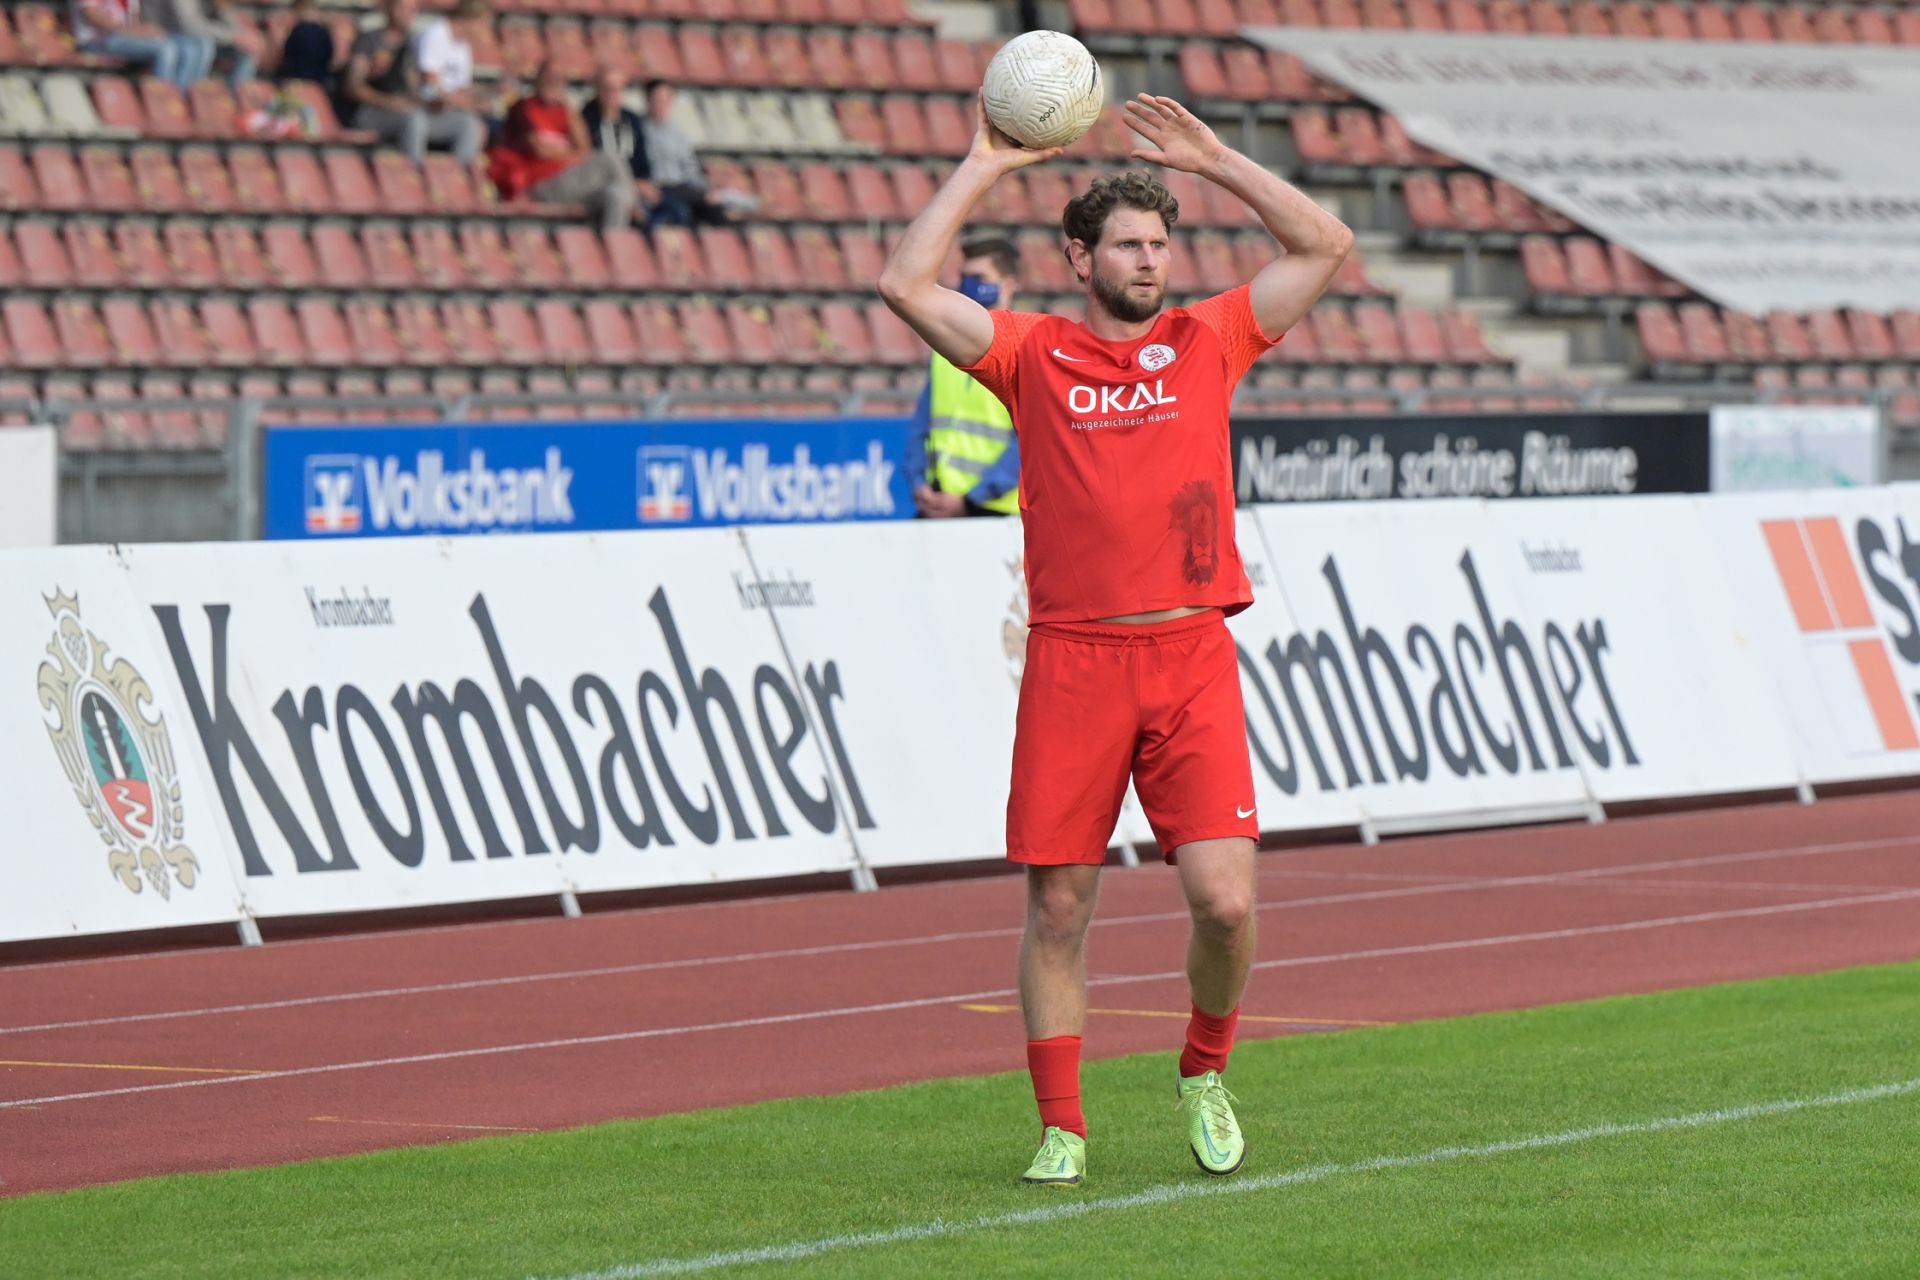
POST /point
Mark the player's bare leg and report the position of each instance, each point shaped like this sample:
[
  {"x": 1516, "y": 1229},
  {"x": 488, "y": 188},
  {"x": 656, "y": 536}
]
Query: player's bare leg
[
  {"x": 1053, "y": 995},
  {"x": 1217, "y": 876},
  {"x": 1053, "y": 951}
]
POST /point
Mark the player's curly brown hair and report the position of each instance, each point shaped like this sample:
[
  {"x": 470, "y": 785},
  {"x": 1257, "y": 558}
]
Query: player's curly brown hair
[{"x": 1085, "y": 218}]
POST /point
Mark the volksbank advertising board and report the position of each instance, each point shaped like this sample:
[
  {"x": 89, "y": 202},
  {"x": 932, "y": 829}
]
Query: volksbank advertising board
[{"x": 332, "y": 483}]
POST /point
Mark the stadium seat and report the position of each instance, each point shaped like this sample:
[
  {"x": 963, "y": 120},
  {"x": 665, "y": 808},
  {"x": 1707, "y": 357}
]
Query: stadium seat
[
  {"x": 1788, "y": 336},
  {"x": 419, "y": 334},
  {"x": 1872, "y": 337},
  {"x": 44, "y": 263},
  {"x": 276, "y": 332},
  {"x": 257, "y": 185},
  {"x": 1701, "y": 332},
  {"x": 583, "y": 258},
  {"x": 96, "y": 263},
  {"x": 117, "y": 105},
  {"x": 303, "y": 182},
  {"x": 158, "y": 184},
  {"x": 1792, "y": 24},
  {"x": 1710, "y": 22},
  {"x": 30, "y": 333},
  {"x": 390, "y": 264},
  {"x": 862, "y": 254},
  {"x": 904, "y": 126},
  {"x": 1544, "y": 264},
  {"x": 1752, "y": 22},
  {"x": 450, "y": 187},
  {"x": 754, "y": 340},
  {"x": 401, "y": 189},
  {"x": 1588, "y": 271},
  {"x": 516, "y": 333},
  {"x": 1828, "y": 333},
  {"x": 704, "y": 329},
  {"x": 1378, "y": 334},
  {"x": 142, "y": 256},
  {"x": 630, "y": 259},
  {"x": 436, "y": 256},
  {"x": 610, "y": 333},
  {"x": 1465, "y": 343},
  {"x": 130, "y": 333},
  {"x": 774, "y": 265},
  {"x": 165, "y": 108},
  {"x": 658, "y": 331},
  {"x": 563, "y": 337},
  {"x": 205, "y": 180},
  {"x": 893, "y": 341},
  {"x": 1420, "y": 334},
  {"x": 84, "y": 343},
  {"x": 337, "y": 251},
  {"x": 371, "y": 335},
  {"x": 484, "y": 259},
  {"x": 108, "y": 181},
  {"x": 470, "y": 334},
  {"x": 1472, "y": 202},
  {"x": 226, "y": 335},
  {"x": 283, "y": 256},
  {"x": 825, "y": 195},
  {"x": 1747, "y": 338},
  {"x": 682, "y": 266},
  {"x": 847, "y": 337},
  {"x": 871, "y": 191},
  {"x": 536, "y": 263},
  {"x": 57, "y": 178},
  {"x": 215, "y": 111}
]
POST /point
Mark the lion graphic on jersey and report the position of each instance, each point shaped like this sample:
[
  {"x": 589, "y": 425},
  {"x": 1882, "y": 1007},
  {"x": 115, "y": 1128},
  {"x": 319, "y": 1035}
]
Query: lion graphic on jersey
[{"x": 1196, "y": 514}]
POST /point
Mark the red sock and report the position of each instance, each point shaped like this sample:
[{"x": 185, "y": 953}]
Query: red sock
[
  {"x": 1055, "y": 1066},
  {"x": 1209, "y": 1041}
]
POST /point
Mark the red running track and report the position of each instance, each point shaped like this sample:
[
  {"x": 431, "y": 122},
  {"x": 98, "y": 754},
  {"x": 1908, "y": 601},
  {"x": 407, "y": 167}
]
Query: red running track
[{"x": 125, "y": 1066}]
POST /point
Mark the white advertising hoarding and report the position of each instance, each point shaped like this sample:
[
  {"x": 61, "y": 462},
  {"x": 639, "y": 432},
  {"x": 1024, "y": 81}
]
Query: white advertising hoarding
[
  {"x": 29, "y": 486},
  {"x": 1757, "y": 447},
  {"x": 1762, "y": 175}
]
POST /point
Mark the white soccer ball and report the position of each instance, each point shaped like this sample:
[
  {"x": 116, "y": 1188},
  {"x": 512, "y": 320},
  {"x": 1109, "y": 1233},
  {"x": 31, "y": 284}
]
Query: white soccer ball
[{"x": 1043, "y": 89}]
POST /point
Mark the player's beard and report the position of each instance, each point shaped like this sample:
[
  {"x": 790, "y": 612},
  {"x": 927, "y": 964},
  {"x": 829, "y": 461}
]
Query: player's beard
[{"x": 1122, "y": 303}]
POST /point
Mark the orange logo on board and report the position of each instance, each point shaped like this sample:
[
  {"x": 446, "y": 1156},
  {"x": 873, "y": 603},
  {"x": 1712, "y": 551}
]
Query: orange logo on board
[{"x": 1829, "y": 601}]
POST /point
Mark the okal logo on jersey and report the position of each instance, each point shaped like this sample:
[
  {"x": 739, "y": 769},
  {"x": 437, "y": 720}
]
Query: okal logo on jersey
[
  {"x": 118, "y": 759},
  {"x": 347, "y": 493},
  {"x": 1128, "y": 397},
  {"x": 1831, "y": 610}
]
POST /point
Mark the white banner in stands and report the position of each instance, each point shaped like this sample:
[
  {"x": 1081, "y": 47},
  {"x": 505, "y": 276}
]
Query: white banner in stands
[
  {"x": 111, "y": 822},
  {"x": 1637, "y": 644},
  {"x": 1767, "y": 447},
  {"x": 29, "y": 486},
  {"x": 1827, "y": 587},
  {"x": 1763, "y": 175},
  {"x": 1407, "y": 680}
]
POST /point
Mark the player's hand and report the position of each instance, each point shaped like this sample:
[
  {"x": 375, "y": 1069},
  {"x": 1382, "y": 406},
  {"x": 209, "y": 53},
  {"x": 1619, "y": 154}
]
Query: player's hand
[
  {"x": 999, "y": 151},
  {"x": 936, "y": 505},
  {"x": 1181, "y": 140}
]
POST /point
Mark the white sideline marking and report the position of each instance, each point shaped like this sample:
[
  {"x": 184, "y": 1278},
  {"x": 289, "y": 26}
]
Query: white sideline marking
[
  {"x": 1451, "y": 885},
  {"x": 1173, "y": 1192},
  {"x": 778, "y": 1019}
]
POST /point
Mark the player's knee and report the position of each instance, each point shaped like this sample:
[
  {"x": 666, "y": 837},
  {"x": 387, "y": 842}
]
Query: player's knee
[
  {"x": 1058, "y": 913},
  {"x": 1224, "y": 911}
]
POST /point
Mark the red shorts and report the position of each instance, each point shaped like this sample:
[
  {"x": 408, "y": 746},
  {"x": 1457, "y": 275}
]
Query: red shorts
[{"x": 1099, "y": 702}]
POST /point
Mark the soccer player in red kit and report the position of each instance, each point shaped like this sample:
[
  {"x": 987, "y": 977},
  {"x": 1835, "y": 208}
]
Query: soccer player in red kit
[{"x": 1126, "y": 490}]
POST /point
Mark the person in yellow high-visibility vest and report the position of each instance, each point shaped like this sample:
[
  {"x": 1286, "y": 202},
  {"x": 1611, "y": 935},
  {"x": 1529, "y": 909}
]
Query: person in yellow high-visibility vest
[{"x": 962, "y": 455}]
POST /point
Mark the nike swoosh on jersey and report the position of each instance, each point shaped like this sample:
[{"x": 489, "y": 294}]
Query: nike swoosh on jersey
[
  {"x": 1075, "y": 359},
  {"x": 1242, "y": 813}
]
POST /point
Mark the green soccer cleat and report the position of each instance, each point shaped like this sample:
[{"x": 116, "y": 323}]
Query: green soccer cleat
[
  {"x": 1061, "y": 1162},
  {"x": 1212, "y": 1132}
]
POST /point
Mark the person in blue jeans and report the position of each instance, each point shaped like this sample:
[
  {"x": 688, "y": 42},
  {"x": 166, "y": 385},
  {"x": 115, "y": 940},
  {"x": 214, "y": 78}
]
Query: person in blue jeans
[{"x": 115, "y": 29}]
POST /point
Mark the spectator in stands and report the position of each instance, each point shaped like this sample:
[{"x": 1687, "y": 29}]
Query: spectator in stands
[
  {"x": 444, "y": 50},
  {"x": 620, "y": 131},
  {"x": 242, "y": 49},
  {"x": 962, "y": 456},
  {"x": 383, "y": 86},
  {"x": 308, "y": 52},
  {"x": 545, "y": 153},
  {"x": 675, "y": 167},
  {"x": 116, "y": 29}
]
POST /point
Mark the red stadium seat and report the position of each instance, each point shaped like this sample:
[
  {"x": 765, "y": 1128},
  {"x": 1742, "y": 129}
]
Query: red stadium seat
[
  {"x": 1545, "y": 266},
  {"x": 57, "y": 178},
  {"x": 658, "y": 331},
  {"x": 421, "y": 338},
  {"x": 30, "y": 331},
  {"x": 1472, "y": 202},
  {"x": 1420, "y": 332},
  {"x": 563, "y": 337},
  {"x": 630, "y": 259},
  {"x": 848, "y": 339},
  {"x": 1314, "y": 138},
  {"x": 821, "y": 264},
  {"x": 450, "y": 187},
  {"x": 957, "y": 67},
  {"x": 914, "y": 63},
  {"x": 190, "y": 254},
  {"x": 1200, "y": 70},
  {"x": 610, "y": 333},
  {"x": 787, "y": 62},
  {"x": 1379, "y": 335},
  {"x": 324, "y": 332},
  {"x": 1871, "y": 26},
  {"x": 1751, "y": 22},
  {"x": 159, "y": 186},
  {"x": 568, "y": 49},
  {"x": 860, "y": 250},
  {"x": 830, "y": 58},
  {"x": 583, "y": 257},
  {"x": 1466, "y": 17},
  {"x": 400, "y": 186},
  {"x": 1833, "y": 26},
  {"x": 782, "y": 196},
  {"x": 142, "y": 256},
  {"x": 1662, "y": 341},
  {"x": 117, "y": 104},
  {"x": 216, "y": 114},
  {"x": 825, "y": 196},
  {"x": 1465, "y": 343},
  {"x": 1516, "y": 212},
  {"x": 1710, "y": 22},
  {"x": 905, "y": 127},
  {"x": 484, "y": 258},
  {"x": 17, "y": 187},
  {"x": 774, "y": 265},
  {"x": 166, "y": 111},
  {"x": 1214, "y": 267},
  {"x": 226, "y": 335},
  {"x": 1872, "y": 337},
  {"x": 1829, "y": 335},
  {"x": 707, "y": 336},
  {"x": 521, "y": 48},
  {"x": 257, "y": 186},
  {"x": 1701, "y": 330},
  {"x": 726, "y": 257},
  {"x": 96, "y": 265},
  {"x": 1589, "y": 271},
  {"x": 283, "y": 255},
  {"x": 337, "y": 251},
  {"x": 860, "y": 122},
  {"x": 682, "y": 265},
  {"x": 371, "y": 333},
  {"x": 84, "y": 343},
  {"x": 701, "y": 61},
  {"x": 390, "y": 263},
  {"x": 1788, "y": 336},
  {"x": 1333, "y": 331},
  {"x": 516, "y": 336},
  {"x": 276, "y": 332},
  {"x": 654, "y": 48},
  {"x": 871, "y": 191},
  {"x": 1746, "y": 337},
  {"x": 801, "y": 338},
  {"x": 44, "y": 263},
  {"x": 872, "y": 61},
  {"x": 754, "y": 339},
  {"x": 894, "y": 342},
  {"x": 1245, "y": 70},
  {"x": 436, "y": 256},
  {"x": 536, "y": 262},
  {"x": 1792, "y": 24}
]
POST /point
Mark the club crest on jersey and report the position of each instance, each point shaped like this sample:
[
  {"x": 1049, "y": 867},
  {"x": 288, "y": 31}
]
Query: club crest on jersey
[
  {"x": 1127, "y": 398},
  {"x": 1155, "y": 356}
]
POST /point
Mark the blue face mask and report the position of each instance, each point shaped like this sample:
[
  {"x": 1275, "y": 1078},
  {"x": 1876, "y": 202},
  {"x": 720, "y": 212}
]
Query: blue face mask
[{"x": 981, "y": 291}]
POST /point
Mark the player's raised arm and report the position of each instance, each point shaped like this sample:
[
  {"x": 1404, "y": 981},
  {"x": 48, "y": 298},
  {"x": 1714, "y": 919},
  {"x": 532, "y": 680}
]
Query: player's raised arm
[
  {"x": 1315, "y": 241},
  {"x": 954, "y": 325}
]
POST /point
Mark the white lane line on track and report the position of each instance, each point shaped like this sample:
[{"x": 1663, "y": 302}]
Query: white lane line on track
[
  {"x": 890, "y": 1006},
  {"x": 842, "y": 948},
  {"x": 1171, "y": 1193}
]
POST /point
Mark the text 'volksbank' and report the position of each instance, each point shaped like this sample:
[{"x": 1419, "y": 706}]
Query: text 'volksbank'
[
  {"x": 476, "y": 496},
  {"x": 423, "y": 747}
]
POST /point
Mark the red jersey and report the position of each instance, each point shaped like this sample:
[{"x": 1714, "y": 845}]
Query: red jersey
[
  {"x": 513, "y": 166},
  {"x": 1126, "y": 468}
]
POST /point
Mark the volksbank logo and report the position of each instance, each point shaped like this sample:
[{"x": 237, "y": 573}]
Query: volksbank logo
[
  {"x": 755, "y": 487},
  {"x": 352, "y": 493}
]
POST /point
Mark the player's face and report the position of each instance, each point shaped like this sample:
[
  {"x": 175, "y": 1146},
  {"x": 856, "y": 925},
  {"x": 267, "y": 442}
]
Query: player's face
[{"x": 1130, "y": 264}]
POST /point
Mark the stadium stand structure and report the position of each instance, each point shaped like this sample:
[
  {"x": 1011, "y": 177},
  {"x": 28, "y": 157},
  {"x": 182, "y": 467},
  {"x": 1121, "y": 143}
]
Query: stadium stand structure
[{"x": 151, "y": 246}]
